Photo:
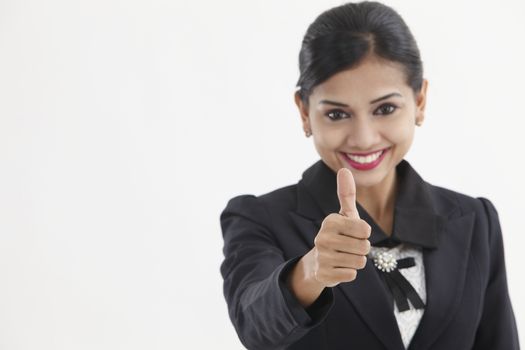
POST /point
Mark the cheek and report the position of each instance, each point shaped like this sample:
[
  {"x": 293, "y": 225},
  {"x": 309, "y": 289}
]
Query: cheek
[
  {"x": 400, "y": 131},
  {"x": 329, "y": 138}
]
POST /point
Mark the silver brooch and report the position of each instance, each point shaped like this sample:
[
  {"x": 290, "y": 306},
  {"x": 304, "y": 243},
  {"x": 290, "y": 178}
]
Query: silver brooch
[{"x": 385, "y": 262}]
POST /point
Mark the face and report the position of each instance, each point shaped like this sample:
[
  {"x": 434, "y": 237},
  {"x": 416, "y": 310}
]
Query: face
[{"x": 363, "y": 119}]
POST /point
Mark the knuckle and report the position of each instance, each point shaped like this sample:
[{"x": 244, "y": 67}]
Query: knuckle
[
  {"x": 365, "y": 228},
  {"x": 335, "y": 216},
  {"x": 362, "y": 262},
  {"x": 363, "y": 247},
  {"x": 367, "y": 246},
  {"x": 331, "y": 218},
  {"x": 357, "y": 227},
  {"x": 321, "y": 241},
  {"x": 353, "y": 221},
  {"x": 351, "y": 274},
  {"x": 368, "y": 229},
  {"x": 328, "y": 223}
]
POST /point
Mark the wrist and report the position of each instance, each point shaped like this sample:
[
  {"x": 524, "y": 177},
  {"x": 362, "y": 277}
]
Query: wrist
[{"x": 302, "y": 281}]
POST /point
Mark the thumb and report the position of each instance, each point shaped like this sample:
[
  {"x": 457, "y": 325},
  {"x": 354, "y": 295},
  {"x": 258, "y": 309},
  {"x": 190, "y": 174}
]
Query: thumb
[{"x": 346, "y": 193}]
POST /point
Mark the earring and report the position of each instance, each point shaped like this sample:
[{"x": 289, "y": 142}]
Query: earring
[
  {"x": 307, "y": 133},
  {"x": 418, "y": 122}
]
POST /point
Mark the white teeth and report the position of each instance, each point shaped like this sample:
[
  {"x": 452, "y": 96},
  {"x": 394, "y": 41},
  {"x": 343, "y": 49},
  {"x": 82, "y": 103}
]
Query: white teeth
[{"x": 363, "y": 160}]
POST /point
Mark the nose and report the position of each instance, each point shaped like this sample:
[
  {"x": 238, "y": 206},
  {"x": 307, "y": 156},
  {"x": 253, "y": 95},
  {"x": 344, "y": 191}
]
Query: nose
[{"x": 363, "y": 134}]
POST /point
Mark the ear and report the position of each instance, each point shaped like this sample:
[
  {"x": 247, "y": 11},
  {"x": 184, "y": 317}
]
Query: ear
[
  {"x": 303, "y": 111},
  {"x": 421, "y": 100}
]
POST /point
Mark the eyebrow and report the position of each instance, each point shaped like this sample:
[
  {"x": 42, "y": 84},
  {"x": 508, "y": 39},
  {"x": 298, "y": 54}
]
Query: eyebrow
[{"x": 339, "y": 104}]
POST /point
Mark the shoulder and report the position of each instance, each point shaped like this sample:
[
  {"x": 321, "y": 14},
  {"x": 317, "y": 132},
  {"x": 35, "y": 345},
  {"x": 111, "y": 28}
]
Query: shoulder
[
  {"x": 457, "y": 205},
  {"x": 281, "y": 199},
  {"x": 446, "y": 197}
]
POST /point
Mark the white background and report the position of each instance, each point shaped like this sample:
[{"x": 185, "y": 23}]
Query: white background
[{"x": 125, "y": 126}]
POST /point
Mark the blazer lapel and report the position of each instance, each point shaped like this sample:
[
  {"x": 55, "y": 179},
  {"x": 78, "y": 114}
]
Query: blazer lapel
[
  {"x": 369, "y": 297},
  {"x": 445, "y": 272},
  {"x": 438, "y": 225}
]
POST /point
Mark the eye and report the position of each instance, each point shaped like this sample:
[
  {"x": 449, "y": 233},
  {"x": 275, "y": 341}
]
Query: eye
[
  {"x": 337, "y": 114},
  {"x": 386, "y": 109}
]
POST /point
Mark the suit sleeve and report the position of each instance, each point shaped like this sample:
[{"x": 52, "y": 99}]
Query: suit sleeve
[
  {"x": 497, "y": 329},
  {"x": 263, "y": 311}
]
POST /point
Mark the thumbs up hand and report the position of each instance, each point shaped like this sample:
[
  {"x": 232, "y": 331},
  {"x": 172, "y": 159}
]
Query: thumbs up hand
[
  {"x": 340, "y": 247},
  {"x": 342, "y": 242}
]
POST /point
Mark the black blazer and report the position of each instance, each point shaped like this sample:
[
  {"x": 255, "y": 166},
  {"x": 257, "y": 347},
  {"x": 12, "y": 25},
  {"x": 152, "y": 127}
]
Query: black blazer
[{"x": 467, "y": 306}]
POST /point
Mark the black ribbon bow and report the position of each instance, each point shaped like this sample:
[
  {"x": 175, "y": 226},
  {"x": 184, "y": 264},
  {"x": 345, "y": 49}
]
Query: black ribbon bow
[{"x": 400, "y": 287}]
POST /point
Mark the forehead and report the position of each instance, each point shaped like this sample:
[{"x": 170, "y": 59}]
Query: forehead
[{"x": 369, "y": 78}]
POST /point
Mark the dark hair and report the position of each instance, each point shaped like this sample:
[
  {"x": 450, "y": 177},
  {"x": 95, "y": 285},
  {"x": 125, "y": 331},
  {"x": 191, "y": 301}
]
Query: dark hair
[{"x": 341, "y": 37}]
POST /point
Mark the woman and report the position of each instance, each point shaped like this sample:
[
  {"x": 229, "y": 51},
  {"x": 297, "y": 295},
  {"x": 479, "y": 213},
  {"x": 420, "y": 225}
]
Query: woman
[{"x": 362, "y": 253}]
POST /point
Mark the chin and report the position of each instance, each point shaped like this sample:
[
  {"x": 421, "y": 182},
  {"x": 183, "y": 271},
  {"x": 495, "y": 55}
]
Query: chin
[{"x": 370, "y": 181}]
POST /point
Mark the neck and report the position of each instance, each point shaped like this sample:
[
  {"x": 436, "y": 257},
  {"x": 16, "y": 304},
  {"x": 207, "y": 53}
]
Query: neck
[{"x": 379, "y": 200}]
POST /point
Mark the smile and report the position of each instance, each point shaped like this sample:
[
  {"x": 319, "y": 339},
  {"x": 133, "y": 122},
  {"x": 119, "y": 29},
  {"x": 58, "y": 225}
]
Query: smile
[
  {"x": 367, "y": 161},
  {"x": 362, "y": 159}
]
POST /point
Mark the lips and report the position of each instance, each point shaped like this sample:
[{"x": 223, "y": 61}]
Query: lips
[
  {"x": 365, "y": 158},
  {"x": 365, "y": 161}
]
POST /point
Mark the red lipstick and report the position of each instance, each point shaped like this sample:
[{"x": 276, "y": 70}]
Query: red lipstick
[{"x": 367, "y": 166}]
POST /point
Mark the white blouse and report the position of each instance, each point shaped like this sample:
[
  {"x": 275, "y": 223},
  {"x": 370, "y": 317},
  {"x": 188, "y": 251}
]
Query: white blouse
[{"x": 408, "y": 320}]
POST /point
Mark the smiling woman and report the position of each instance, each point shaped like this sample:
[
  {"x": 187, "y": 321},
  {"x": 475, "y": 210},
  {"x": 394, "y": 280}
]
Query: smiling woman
[{"x": 363, "y": 253}]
